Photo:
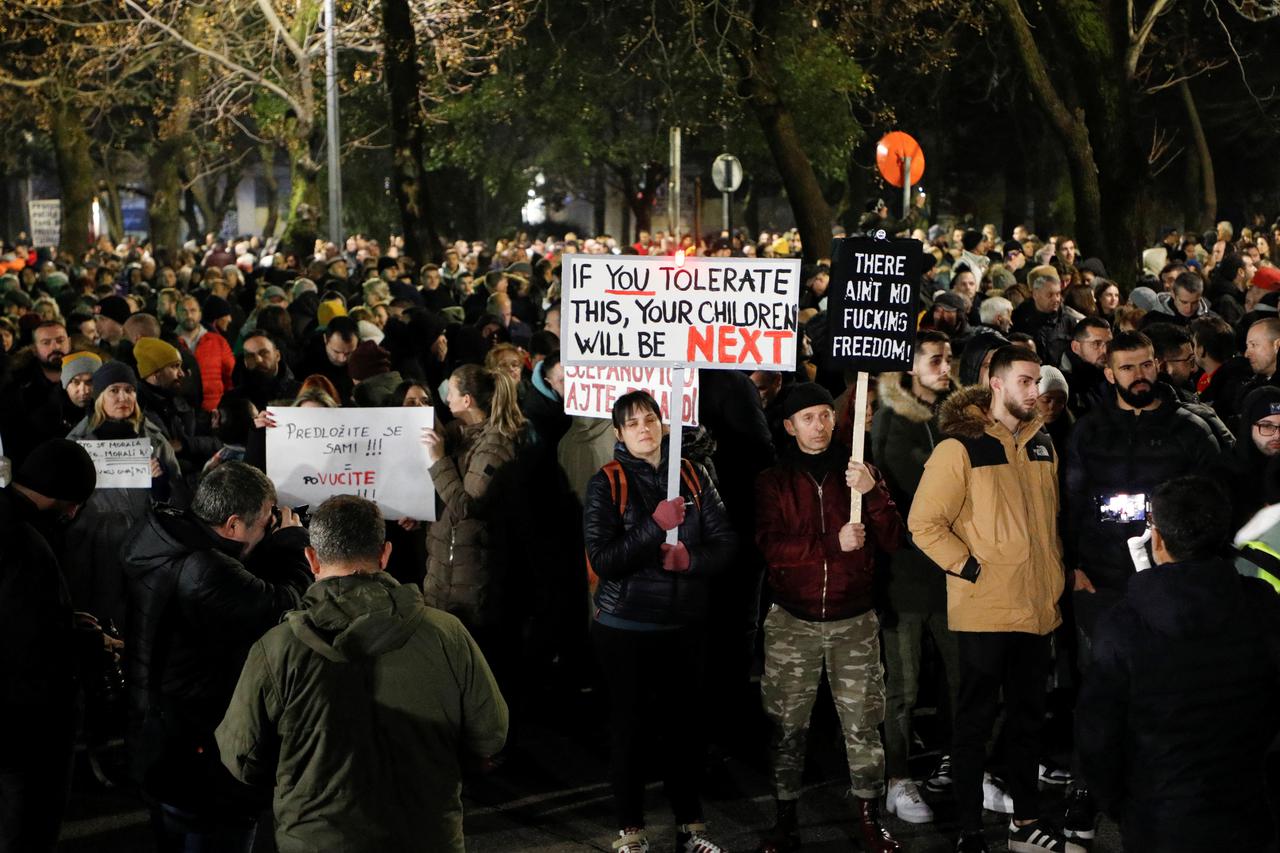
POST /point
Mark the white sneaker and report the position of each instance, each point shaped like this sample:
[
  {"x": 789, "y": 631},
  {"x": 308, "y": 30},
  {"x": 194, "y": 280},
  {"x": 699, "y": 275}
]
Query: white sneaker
[
  {"x": 994, "y": 797},
  {"x": 903, "y": 799}
]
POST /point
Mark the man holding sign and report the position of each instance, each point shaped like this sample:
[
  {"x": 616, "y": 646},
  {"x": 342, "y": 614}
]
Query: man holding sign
[{"x": 821, "y": 566}]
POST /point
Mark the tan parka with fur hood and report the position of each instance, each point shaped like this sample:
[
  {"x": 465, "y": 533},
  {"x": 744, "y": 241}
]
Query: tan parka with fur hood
[{"x": 986, "y": 512}]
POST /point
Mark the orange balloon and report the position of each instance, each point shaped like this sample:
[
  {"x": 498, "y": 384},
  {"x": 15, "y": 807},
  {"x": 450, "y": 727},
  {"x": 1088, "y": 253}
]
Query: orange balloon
[{"x": 891, "y": 152}]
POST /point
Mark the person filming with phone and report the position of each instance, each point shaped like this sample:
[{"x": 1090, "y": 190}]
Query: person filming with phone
[
  {"x": 1135, "y": 439},
  {"x": 203, "y": 585}
]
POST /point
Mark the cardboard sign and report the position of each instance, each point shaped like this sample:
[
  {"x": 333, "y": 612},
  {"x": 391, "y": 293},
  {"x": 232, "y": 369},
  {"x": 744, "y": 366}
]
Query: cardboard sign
[
  {"x": 313, "y": 454},
  {"x": 873, "y": 301},
  {"x": 729, "y": 313},
  {"x": 121, "y": 463},
  {"x": 46, "y": 221},
  {"x": 592, "y": 391}
]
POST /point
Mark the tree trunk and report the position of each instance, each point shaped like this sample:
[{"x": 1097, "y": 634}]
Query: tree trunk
[
  {"x": 808, "y": 205},
  {"x": 303, "y": 223},
  {"x": 75, "y": 177},
  {"x": 267, "y": 156},
  {"x": 409, "y": 181},
  {"x": 1208, "y": 189},
  {"x": 167, "y": 155}
]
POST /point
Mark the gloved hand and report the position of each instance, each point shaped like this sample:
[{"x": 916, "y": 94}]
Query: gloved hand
[
  {"x": 1138, "y": 550},
  {"x": 675, "y": 558},
  {"x": 669, "y": 513}
]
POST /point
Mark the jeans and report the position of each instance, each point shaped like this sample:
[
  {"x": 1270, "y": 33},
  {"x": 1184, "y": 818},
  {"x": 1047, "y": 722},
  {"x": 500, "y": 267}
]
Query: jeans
[{"x": 903, "y": 645}]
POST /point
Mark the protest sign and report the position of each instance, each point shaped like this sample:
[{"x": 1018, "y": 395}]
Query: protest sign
[
  {"x": 591, "y": 391},
  {"x": 121, "y": 463},
  {"x": 873, "y": 301},
  {"x": 313, "y": 454},
  {"x": 730, "y": 313},
  {"x": 46, "y": 221}
]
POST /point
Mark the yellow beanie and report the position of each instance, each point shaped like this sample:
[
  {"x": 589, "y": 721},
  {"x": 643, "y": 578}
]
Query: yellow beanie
[
  {"x": 329, "y": 310},
  {"x": 153, "y": 354}
]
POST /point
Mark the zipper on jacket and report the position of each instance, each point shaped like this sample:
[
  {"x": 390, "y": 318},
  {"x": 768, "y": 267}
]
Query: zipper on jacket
[
  {"x": 822, "y": 520},
  {"x": 452, "y": 533}
]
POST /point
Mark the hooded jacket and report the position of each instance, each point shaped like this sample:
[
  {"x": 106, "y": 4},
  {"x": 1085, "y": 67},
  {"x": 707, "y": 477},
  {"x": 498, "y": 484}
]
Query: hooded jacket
[
  {"x": 1052, "y": 332},
  {"x": 194, "y": 611},
  {"x": 799, "y": 513},
  {"x": 903, "y": 435},
  {"x": 986, "y": 513},
  {"x": 1177, "y": 711},
  {"x": 1116, "y": 451},
  {"x": 624, "y": 551},
  {"x": 358, "y": 709}
]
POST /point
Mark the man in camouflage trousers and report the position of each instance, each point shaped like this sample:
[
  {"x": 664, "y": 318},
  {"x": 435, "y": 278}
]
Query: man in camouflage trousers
[{"x": 821, "y": 568}]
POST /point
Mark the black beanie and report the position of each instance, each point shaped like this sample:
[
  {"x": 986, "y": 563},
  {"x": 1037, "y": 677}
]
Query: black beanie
[
  {"x": 803, "y": 395},
  {"x": 1258, "y": 404},
  {"x": 111, "y": 373},
  {"x": 59, "y": 469}
]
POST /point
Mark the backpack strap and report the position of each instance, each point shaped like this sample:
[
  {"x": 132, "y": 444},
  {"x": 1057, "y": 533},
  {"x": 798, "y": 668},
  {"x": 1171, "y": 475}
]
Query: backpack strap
[
  {"x": 689, "y": 475},
  {"x": 617, "y": 484}
]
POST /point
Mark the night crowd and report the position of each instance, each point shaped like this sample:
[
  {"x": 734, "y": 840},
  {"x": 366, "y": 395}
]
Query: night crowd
[{"x": 1072, "y": 500}]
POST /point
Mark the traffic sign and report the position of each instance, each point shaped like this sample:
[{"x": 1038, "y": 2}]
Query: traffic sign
[
  {"x": 726, "y": 173},
  {"x": 892, "y": 151}
]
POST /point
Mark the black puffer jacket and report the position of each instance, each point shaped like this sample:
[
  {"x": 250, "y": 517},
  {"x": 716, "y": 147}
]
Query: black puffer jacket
[
  {"x": 1178, "y": 709},
  {"x": 195, "y": 609},
  {"x": 1052, "y": 332},
  {"x": 1115, "y": 451},
  {"x": 624, "y": 551}
]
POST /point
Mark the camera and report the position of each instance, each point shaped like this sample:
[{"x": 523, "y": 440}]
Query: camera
[{"x": 1122, "y": 508}]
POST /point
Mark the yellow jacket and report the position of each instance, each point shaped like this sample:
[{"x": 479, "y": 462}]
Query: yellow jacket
[{"x": 988, "y": 502}]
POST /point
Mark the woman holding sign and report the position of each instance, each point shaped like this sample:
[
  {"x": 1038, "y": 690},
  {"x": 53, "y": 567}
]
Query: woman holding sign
[
  {"x": 470, "y": 467},
  {"x": 93, "y": 567},
  {"x": 649, "y": 618}
]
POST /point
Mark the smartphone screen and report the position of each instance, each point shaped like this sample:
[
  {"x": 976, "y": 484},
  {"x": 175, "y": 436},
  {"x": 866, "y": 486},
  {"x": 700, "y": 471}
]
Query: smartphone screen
[{"x": 1122, "y": 508}]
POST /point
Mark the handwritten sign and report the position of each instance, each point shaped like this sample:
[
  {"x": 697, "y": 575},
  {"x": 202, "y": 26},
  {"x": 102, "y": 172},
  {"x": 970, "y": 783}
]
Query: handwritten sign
[
  {"x": 591, "y": 391},
  {"x": 313, "y": 454},
  {"x": 46, "y": 221},
  {"x": 728, "y": 313},
  {"x": 121, "y": 463},
  {"x": 873, "y": 301}
]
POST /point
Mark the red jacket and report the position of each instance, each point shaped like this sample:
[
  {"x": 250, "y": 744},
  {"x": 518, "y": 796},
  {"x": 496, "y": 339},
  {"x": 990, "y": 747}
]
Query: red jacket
[
  {"x": 216, "y": 361},
  {"x": 798, "y": 521}
]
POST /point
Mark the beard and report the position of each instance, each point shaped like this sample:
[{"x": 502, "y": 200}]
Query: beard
[
  {"x": 1023, "y": 414},
  {"x": 189, "y": 325},
  {"x": 1138, "y": 399},
  {"x": 53, "y": 360}
]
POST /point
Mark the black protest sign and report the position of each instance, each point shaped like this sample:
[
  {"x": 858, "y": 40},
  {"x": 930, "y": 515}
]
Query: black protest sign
[{"x": 873, "y": 301}]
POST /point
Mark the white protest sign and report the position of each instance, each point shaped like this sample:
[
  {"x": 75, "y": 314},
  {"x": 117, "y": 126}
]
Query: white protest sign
[
  {"x": 46, "y": 221},
  {"x": 591, "y": 391},
  {"x": 121, "y": 463},
  {"x": 313, "y": 454},
  {"x": 730, "y": 313}
]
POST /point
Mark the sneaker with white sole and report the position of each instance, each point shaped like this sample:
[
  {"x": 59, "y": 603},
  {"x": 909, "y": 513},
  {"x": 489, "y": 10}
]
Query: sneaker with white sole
[
  {"x": 631, "y": 840},
  {"x": 1039, "y": 837},
  {"x": 1053, "y": 775},
  {"x": 1081, "y": 816},
  {"x": 903, "y": 799},
  {"x": 994, "y": 796},
  {"x": 941, "y": 779},
  {"x": 691, "y": 838}
]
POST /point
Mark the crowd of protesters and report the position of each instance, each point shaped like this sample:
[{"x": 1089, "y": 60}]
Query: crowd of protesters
[{"x": 1073, "y": 492}]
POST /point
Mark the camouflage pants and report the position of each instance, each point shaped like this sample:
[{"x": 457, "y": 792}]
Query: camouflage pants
[{"x": 795, "y": 652}]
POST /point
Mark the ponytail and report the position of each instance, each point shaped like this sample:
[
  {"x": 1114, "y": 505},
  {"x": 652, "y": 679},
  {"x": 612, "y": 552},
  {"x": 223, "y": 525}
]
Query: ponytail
[{"x": 496, "y": 395}]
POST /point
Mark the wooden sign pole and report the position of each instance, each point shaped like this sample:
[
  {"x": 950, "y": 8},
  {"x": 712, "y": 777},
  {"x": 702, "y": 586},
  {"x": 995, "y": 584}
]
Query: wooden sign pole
[
  {"x": 675, "y": 409},
  {"x": 859, "y": 442}
]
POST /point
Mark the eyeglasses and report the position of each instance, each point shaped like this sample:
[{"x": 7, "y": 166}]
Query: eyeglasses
[
  {"x": 1179, "y": 360},
  {"x": 1265, "y": 429}
]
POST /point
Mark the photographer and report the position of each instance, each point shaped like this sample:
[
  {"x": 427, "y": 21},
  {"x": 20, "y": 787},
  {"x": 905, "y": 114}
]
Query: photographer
[
  {"x": 1136, "y": 438},
  {"x": 195, "y": 609},
  {"x": 39, "y": 636}
]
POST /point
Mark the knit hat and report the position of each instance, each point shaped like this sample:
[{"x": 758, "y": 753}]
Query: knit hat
[
  {"x": 215, "y": 308},
  {"x": 1144, "y": 298},
  {"x": 55, "y": 281},
  {"x": 79, "y": 362},
  {"x": 115, "y": 308},
  {"x": 1052, "y": 379},
  {"x": 153, "y": 354},
  {"x": 950, "y": 300},
  {"x": 370, "y": 332},
  {"x": 1266, "y": 278},
  {"x": 1093, "y": 265},
  {"x": 803, "y": 395},
  {"x": 19, "y": 298},
  {"x": 274, "y": 292},
  {"x": 303, "y": 285},
  {"x": 59, "y": 469},
  {"x": 328, "y": 310},
  {"x": 368, "y": 360},
  {"x": 1260, "y": 403},
  {"x": 111, "y": 373}
]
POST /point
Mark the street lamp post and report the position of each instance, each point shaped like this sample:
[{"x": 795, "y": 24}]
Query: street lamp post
[{"x": 331, "y": 107}]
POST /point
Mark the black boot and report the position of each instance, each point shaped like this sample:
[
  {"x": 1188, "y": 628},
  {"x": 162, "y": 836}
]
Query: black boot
[{"x": 784, "y": 836}]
